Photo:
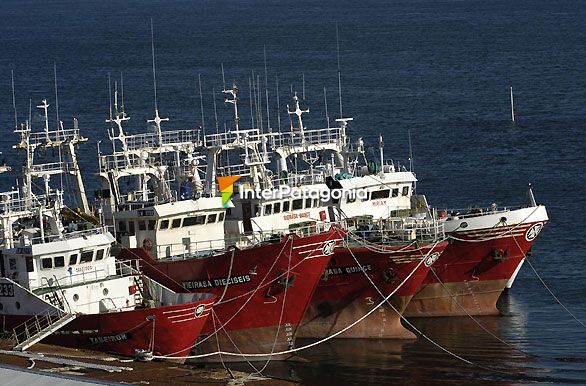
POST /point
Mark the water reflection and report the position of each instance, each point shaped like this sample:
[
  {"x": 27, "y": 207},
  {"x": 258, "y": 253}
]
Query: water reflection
[{"x": 503, "y": 355}]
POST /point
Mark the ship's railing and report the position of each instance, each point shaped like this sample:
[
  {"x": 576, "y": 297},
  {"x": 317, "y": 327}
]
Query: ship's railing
[
  {"x": 396, "y": 229},
  {"x": 299, "y": 179},
  {"x": 182, "y": 251},
  {"x": 175, "y": 137},
  {"x": 233, "y": 170},
  {"x": 51, "y": 167},
  {"x": 120, "y": 161},
  {"x": 255, "y": 158},
  {"x": 109, "y": 269},
  {"x": 14, "y": 202},
  {"x": 189, "y": 249},
  {"x": 38, "y": 323},
  {"x": 85, "y": 233},
  {"x": 456, "y": 214},
  {"x": 325, "y": 136},
  {"x": 55, "y": 136},
  {"x": 239, "y": 138}
]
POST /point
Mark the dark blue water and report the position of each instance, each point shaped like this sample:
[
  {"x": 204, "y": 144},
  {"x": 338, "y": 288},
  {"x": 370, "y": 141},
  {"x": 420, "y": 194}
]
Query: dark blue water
[{"x": 441, "y": 69}]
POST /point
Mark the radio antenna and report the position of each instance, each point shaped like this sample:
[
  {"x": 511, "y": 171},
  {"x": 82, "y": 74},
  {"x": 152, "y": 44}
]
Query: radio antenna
[
  {"x": 278, "y": 105},
  {"x": 326, "y": 106},
  {"x": 122, "y": 92},
  {"x": 157, "y": 119},
  {"x": 259, "y": 105},
  {"x": 14, "y": 101},
  {"x": 410, "y": 152},
  {"x": 303, "y": 85},
  {"x": 215, "y": 110},
  {"x": 153, "y": 58},
  {"x": 267, "y": 90},
  {"x": 339, "y": 72},
  {"x": 110, "y": 98},
  {"x": 250, "y": 98},
  {"x": 203, "y": 124},
  {"x": 223, "y": 78},
  {"x": 56, "y": 95}
]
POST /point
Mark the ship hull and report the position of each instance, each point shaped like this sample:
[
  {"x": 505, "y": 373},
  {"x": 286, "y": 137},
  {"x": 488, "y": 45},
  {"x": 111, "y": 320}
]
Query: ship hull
[
  {"x": 478, "y": 263},
  {"x": 345, "y": 295},
  {"x": 263, "y": 292},
  {"x": 165, "y": 331}
]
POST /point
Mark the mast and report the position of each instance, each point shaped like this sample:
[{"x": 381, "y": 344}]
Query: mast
[
  {"x": 233, "y": 92},
  {"x": 326, "y": 106},
  {"x": 267, "y": 92},
  {"x": 157, "y": 119},
  {"x": 14, "y": 101},
  {"x": 278, "y": 104},
  {"x": 381, "y": 146},
  {"x": 339, "y": 72},
  {"x": 299, "y": 113},
  {"x": 203, "y": 124}
]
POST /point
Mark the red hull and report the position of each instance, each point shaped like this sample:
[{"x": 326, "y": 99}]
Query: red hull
[
  {"x": 472, "y": 273},
  {"x": 344, "y": 294},
  {"x": 172, "y": 332},
  {"x": 250, "y": 314}
]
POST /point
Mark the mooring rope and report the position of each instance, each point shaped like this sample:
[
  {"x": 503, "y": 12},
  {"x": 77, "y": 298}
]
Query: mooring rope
[
  {"x": 252, "y": 293},
  {"x": 433, "y": 342},
  {"x": 547, "y": 287},
  {"x": 294, "y": 350}
]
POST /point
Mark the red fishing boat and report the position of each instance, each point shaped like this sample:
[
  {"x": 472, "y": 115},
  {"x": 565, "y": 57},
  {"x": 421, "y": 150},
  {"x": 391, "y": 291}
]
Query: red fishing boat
[
  {"x": 486, "y": 251},
  {"x": 59, "y": 282},
  {"x": 345, "y": 294},
  {"x": 263, "y": 291}
]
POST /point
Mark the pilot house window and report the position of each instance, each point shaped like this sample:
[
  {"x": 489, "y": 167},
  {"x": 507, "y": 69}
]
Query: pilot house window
[
  {"x": 379, "y": 194},
  {"x": 189, "y": 221},
  {"x": 99, "y": 255},
  {"x": 405, "y": 190},
  {"x": 73, "y": 259},
  {"x": 86, "y": 256},
  {"x": 176, "y": 223},
  {"x": 47, "y": 263},
  {"x": 59, "y": 261}
]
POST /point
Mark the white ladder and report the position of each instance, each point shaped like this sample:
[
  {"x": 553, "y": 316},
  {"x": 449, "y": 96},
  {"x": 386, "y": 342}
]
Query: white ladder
[{"x": 39, "y": 327}]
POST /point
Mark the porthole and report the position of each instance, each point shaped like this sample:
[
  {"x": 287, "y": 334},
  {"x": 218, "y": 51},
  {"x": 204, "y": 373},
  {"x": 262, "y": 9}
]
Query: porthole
[
  {"x": 464, "y": 225},
  {"x": 75, "y": 297},
  {"x": 105, "y": 291},
  {"x": 17, "y": 304}
]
